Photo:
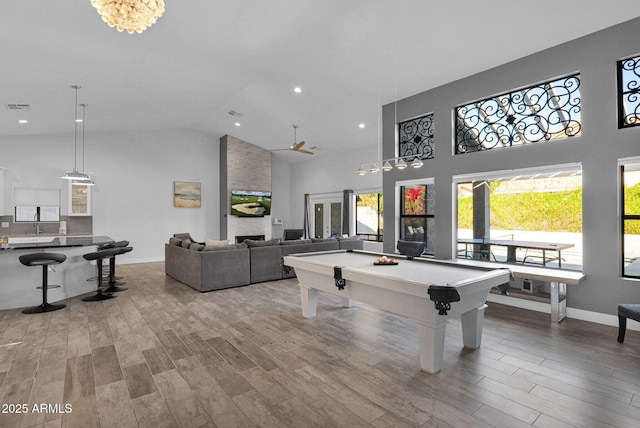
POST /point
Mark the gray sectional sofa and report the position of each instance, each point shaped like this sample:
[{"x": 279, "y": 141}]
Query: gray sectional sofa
[{"x": 207, "y": 268}]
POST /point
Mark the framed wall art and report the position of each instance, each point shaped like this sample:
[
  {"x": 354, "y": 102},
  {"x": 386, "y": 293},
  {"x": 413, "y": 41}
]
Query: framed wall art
[{"x": 187, "y": 194}]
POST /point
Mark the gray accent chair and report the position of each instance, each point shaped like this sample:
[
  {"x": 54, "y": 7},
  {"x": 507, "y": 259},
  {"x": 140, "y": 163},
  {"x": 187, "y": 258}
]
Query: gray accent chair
[{"x": 625, "y": 311}]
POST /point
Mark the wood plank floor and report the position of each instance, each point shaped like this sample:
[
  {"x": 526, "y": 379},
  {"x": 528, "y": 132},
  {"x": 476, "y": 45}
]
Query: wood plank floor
[{"x": 164, "y": 355}]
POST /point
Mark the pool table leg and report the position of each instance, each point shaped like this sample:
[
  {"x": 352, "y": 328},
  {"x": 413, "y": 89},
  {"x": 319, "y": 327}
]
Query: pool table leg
[
  {"x": 472, "y": 323},
  {"x": 431, "y": 344},
  {"x": 348, "y": 303},
  {"x": 309, "y": 298}
]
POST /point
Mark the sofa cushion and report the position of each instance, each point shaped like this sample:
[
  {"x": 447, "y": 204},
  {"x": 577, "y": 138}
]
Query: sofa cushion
[
  {"x": 213, "y": 243},
  {"x": 255, "y": 243},
  {"x": 314, "y": 240},
  {"x": 183, "y": 236},
  {"x": 186, "y": 243},
  {"x": 225, "y": 247},
  {"x": 296, "y": 242},
  {"x": 196, "y": 247},
  {"x": 175, "y": 241}
]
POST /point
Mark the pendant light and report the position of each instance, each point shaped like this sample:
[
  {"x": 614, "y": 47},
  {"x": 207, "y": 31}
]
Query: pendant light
[
  {"x": 400, "y": 162},
  {"x": 74, "y": 174}
]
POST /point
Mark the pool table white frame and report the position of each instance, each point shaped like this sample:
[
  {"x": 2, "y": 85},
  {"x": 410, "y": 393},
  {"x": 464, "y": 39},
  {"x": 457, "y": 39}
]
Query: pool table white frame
[{"x": 390, "y": 289}]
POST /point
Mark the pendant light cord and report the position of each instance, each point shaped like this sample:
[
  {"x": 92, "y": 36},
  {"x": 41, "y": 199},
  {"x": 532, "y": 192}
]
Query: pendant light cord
[
  {"x": 84, "y": 107},
  {"x": 75, "y": 131}
]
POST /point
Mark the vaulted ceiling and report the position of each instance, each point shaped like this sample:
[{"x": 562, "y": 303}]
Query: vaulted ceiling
[{"x": 204, "y": 59}]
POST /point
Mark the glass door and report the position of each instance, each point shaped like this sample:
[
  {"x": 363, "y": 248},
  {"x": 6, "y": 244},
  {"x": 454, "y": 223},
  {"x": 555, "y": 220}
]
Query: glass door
[{"x": 327, "y": 218}]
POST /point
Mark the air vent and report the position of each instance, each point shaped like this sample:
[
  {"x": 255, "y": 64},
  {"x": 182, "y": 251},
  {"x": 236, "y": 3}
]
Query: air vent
[
  {"x": 18, "y": 106},
  {"x": 235, "y": 113}
]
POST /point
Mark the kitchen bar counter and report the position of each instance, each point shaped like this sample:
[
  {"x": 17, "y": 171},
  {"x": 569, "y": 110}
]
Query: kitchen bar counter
[
  {"x": 32, "y": 242},
  {"x": 18, "y": 282}
]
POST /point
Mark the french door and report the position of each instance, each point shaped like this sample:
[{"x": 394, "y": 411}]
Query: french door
[{"x": 326, "y": 220}]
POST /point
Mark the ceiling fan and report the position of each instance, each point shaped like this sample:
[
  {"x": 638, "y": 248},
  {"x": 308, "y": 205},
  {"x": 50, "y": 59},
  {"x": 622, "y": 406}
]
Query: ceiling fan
[{"x": 296, "y": 147}]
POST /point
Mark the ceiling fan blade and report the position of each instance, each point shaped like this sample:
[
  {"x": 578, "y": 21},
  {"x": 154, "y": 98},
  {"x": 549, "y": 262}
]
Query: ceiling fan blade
[
  {"x": 279, "y": 150},
  {"x": 304, "y": 151},
  {"x": 298, "y": 146}
]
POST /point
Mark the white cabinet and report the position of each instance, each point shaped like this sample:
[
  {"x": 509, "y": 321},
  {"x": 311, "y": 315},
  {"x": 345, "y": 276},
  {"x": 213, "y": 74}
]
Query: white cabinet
[{"x": 79, "y": 199}]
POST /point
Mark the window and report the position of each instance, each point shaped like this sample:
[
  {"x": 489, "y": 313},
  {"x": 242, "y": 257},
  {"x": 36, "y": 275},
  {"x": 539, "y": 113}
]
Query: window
[
  {"x": 630, "y": 186},
  {"x": 31, "y": 213},
  {"x": 629, "y": 92},
  {"x": 417, "y": 218},
  {"x": 535, "y": 114},
  {"x": 416, "y": 138},
  {"x": 528, "y": 216},
  {"x": 369, "y": 223}
]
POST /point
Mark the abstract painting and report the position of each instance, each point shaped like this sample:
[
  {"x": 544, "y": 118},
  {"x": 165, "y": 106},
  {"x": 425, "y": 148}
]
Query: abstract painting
[{"x": 186, "y": 194}]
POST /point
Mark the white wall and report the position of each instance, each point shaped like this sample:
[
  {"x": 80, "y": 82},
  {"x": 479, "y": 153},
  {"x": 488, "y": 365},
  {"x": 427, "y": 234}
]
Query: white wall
[
  {"x": 134, "y": 174},
  {"x": 330, "y": 174}
]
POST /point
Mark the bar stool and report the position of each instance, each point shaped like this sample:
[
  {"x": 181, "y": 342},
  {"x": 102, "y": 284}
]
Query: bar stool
[
  {"x": 114, "y": 285},
  {"x": 45, "y": 260},
  {"x": 99, "y": 256},
  {"x": 112, "y": 244}
]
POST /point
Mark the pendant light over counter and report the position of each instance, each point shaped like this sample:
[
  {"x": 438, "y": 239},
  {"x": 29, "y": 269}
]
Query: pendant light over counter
[{"x": 75, "y": 175}]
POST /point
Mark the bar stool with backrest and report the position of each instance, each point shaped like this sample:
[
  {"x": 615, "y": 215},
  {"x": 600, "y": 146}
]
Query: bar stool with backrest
[
  {"x": 99, "y": 257},
  {"x": 114, "y": 284},
  {"x": 112, "y": 244},
  {"x": 45, "y": 260}
]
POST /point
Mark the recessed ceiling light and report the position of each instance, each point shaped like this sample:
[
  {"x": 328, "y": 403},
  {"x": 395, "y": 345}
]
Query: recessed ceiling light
[
  {"x": 23, "y": 121},
  {"x": 237, "y": 123},
  {"x": 297, "y": 89},
  {"x": 361, "y": 125},
  {"x": 78, "y": 120}
]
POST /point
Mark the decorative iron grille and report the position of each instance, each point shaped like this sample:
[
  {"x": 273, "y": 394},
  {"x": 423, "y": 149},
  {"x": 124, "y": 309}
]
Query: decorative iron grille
[
  {"x": 416, "y": 138},
  {"x": 535, "y": 114},
  {"x": 629, "y": 92}
]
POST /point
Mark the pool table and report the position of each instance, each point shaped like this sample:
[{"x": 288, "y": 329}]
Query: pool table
[{"x": 403, "y": 289}]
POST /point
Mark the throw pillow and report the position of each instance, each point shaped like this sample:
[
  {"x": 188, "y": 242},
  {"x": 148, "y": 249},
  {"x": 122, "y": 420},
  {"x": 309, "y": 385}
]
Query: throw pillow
[
  {"x": 196, "y": 247},
  {"x": 186, "y": 243},
  {"x": 213, "y": 243},
  {"x": 349, "y": 238},
  {"x": 175, "y": 241}
]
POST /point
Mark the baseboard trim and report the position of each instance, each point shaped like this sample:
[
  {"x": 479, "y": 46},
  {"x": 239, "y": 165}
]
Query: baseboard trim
[
  {"x": 145, "y": 260},
  {"x": 579, "y": 314}
]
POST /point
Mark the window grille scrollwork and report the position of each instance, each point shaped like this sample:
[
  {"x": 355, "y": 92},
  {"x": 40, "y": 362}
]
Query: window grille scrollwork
[
  {"x": 416, "y": 138},
  {"x": 535, "y": 114},
  {"x": 629, "y": 92}
]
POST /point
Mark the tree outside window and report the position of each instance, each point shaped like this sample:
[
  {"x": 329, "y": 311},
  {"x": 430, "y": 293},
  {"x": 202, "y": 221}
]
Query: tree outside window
[
  {"x": 630, "y": 180},
  {"x": 417, "y": 219}
]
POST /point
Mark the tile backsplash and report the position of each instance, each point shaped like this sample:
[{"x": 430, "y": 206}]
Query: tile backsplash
[{"x": 75, "y": 226}]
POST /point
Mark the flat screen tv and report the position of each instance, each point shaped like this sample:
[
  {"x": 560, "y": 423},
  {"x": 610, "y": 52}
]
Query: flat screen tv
[{"x": 250, "y": 203}]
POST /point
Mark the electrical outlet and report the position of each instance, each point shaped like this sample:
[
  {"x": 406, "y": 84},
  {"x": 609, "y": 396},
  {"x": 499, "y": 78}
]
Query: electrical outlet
[{"x": 5, "y": 224}]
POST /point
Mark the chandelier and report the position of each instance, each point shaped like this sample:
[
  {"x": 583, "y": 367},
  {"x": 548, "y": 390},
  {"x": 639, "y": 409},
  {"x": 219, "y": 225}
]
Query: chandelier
[{"x": 129, "y": 15}]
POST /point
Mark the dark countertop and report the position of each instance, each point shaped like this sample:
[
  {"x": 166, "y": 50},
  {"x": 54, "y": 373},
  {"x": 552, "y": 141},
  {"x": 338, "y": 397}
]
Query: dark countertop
[{"x": 59, "y": 242}]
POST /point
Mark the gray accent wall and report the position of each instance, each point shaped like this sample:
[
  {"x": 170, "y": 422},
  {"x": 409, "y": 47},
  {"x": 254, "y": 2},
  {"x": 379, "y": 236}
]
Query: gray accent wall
[{"x": 597, "y": 149}]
